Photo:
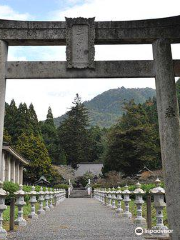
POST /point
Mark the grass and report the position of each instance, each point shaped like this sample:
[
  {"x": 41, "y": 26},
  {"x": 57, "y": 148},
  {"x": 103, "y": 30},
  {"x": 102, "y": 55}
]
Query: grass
[
  {"x": 26, "y": 212},
  {"x": 132, "y": 205},
  {"x": 133, "y": 209}
]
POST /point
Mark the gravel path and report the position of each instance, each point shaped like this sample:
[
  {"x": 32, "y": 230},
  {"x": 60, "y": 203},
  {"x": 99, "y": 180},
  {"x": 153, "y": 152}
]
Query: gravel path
[{"x": 77, "y": 219}]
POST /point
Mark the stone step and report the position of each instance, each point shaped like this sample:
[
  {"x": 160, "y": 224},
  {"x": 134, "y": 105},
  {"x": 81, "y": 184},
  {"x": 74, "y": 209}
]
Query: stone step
[{"x": 79, "y": 194}]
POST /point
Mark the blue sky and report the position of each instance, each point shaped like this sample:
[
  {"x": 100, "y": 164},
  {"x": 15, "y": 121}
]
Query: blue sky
[
  {"x": 39, "y": 9},
  {"x": 59, "y": 94}
]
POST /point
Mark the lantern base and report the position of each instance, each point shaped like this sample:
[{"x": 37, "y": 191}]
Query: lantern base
[
  {"x": 46, "y": 209},
  {"x": 141, "y": 222},
  {"x": 127, "y": 215},
  {"x": 3, "y": 233},
  {"x": 160, "y": 231},
  {"x": 41, "y": 212},
  {"x": 20, "y": 222},
  {"x": 33, "y": 216},
  {"x": 119, "y": 210}
]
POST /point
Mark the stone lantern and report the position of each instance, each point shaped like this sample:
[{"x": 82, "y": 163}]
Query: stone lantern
[
  {"x": 113, "y": 198},
  {"x": 51, "y": 198},
  {"x": 104, "y": 196},
  {"x": 55, "y": 197},
  {"x": 109, "y": 197},
  {"x": 46, "y": 208},
  {"x": 126, "y": 193},
  {"x": 98, "y": 194},
  {"x": 159, "y": 193},
  {"x": 41, "y": 200},
  {"x": 20, "y": 203},
  {"x": 101, "y": 195},
  {"x": 89, "y": 187},
  {"x": 119, "y": 199},
  {"x": 3, "y": 207},
  {"x": 33, "y": 201},
  {"x": 139, "y": 220}
]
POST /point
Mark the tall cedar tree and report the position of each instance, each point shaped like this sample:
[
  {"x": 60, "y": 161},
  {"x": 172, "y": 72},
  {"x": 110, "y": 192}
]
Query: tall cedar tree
[
  {"x": 96, "y": 144},
  {"x": 50, "y": 137},
  {"x": 33, "y": 121},
  {"x": 23, "y": 132},
  {"x": 133, "y": 142},
  {"x": 10, "y": 120},
  {"x": 73, "y": 134}
]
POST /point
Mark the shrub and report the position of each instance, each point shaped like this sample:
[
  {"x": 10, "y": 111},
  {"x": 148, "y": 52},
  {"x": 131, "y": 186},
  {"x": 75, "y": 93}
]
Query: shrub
[
  {"x": 11, "y": 188},
  {"x": 63, "y": 186}
]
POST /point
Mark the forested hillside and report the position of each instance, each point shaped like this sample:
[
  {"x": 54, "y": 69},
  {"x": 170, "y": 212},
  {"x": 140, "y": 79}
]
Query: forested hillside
[
  {"x": 105, "y": 109},
  {"x": 129, "y": 145}
]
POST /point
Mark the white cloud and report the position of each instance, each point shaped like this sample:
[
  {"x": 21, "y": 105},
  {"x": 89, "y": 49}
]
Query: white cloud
[
  {"x": 59, "y": 94},
  {"x": 121, "y": 10},
  {"x": 7, "y": 12}
]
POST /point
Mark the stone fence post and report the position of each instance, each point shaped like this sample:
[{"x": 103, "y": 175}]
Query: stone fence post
[
  {"x": 51, "y": 199},
  {"x": 20, "y": 203},
  {"x": 126, "y": 193},
  {"x": 33, "y": 201},
  {"x": 3, "y": 194},
  {"x": 139, "y": 220},
  {"x": 46, "y": 208},
  {"x": 159, "y": 204},
  {"x": 41, "y": 200}
]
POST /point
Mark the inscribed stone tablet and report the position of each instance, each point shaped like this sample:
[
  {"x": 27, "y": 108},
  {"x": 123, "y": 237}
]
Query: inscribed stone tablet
[
  {"x": 80, "y": 52},
  {"x": 80, "y": 42}
]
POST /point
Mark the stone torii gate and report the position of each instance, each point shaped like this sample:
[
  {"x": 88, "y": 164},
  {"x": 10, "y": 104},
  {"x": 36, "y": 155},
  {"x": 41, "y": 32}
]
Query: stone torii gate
[{"x": 80, "y": 35}]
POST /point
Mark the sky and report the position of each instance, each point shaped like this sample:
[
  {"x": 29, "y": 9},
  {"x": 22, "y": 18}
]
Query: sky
[{"x": 59, "y": 94}]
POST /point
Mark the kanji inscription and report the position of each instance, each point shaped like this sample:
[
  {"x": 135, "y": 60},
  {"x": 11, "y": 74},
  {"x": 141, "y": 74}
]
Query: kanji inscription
[
  {"x": 80, "y": 46},
  {"x": 80, "y": 42}
]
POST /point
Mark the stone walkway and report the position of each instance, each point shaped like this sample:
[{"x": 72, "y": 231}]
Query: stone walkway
[{"x": 77, "y": 219}]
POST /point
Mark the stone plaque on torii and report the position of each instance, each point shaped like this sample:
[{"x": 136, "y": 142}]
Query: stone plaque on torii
[
  {"x": 80, "y": 38},
  {"x": 80, "y": 35}
]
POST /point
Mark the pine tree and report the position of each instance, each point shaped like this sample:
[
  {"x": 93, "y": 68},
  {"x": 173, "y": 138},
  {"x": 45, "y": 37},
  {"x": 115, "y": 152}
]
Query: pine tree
[
  {"x": 6, "y": 137},
  {"x": 33, "y": 121},
  {"x": 73, "y": 134},
  {"x": 22, "y": 122},
  {"x": 50, "y": 137},
  {"x": 96, "y": 144},
  {"x": 49, "y": 118},
  {"x": 10, "y": 121}
]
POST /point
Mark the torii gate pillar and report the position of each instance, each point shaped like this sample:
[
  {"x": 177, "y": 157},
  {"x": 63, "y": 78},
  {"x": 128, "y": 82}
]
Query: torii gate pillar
[
  {"x": 3, "y": 59},
  {"x": 168, "y": 115}
]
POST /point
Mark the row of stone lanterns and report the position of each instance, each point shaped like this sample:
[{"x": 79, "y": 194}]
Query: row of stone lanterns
[
  {"x": 58, "y": 195},
  {"x": 112, "y": 197}
]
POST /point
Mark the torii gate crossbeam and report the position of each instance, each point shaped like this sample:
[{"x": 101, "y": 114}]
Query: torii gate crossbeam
[{"x": 80, "y": 35}]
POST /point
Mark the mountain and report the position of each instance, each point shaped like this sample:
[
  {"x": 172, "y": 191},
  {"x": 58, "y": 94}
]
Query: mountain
[{"x": 106, "y": 108}]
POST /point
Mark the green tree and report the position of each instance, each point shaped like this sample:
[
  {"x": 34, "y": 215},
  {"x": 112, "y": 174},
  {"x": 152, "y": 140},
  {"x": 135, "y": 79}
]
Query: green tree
[
  {"x": 96, "y": 144},
  {"x": 33, "y": 121},
  {"x": 134, "y": 141},
  {"x": 10, "y": 120},
  {"x": 50, "y": 137},
  {"x": 33, "y": 149},
  {"x": 73, "y": 134},
  {"x": 6, "y": 137}
]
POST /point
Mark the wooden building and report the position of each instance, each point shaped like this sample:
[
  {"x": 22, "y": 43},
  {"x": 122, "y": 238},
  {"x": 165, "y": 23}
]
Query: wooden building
[{"x": 11, "y": 166}]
